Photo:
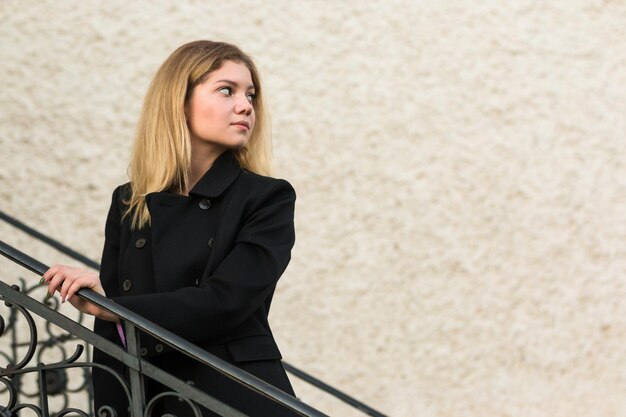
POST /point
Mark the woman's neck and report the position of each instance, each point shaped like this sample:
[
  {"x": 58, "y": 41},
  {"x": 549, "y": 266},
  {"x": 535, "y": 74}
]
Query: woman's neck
[{"x": 202, "y": 158}]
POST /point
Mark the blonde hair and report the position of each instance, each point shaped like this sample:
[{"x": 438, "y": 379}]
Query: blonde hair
[{"x": 162, "y": 151}]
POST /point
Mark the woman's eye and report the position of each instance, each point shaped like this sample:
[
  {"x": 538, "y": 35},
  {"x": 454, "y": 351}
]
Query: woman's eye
[
  {"x": 251, "y": 97},
  {"x": 225, "y": 90}
]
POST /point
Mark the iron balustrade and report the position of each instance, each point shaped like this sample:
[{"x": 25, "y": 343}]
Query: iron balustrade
[
  {"x": 342, "y": 396},
  {"x": 137, "y": 366},
  {"x": 60, "y": 383}
]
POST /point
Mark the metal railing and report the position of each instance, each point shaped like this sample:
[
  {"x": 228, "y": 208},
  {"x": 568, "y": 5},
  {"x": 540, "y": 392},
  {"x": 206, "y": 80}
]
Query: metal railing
[
  {"x": 134, "y": 322},
  {"x": 137, "y": 366}
]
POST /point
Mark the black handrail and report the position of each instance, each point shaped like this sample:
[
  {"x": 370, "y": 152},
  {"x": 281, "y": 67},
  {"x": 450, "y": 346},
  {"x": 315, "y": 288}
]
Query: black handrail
[
  {"x": 288, "y": 367},
  {"x": 177, "y": 342}
]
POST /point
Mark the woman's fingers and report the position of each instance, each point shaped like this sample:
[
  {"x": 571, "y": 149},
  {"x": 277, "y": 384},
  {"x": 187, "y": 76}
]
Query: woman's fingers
[
  {"x": 50, "y": 272},
  {"x": 60, "y": 278},
  {"x": 73, "y": 288},
  {"x": 67, "y": 284},
  {"x": 54, "y": 281},
  {"x": 68, "y": 280}
]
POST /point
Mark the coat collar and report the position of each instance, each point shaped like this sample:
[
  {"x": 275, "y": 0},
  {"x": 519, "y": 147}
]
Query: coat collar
[{"x": 219, "y": 177}]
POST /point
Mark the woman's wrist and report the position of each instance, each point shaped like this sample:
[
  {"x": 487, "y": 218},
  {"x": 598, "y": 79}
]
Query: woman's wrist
[
  {"x": 107, "y": 315},
  {"x": 101, "y": 313}
]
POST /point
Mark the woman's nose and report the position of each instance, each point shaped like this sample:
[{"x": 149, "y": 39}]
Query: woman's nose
[{"x": 243, "y": 105}]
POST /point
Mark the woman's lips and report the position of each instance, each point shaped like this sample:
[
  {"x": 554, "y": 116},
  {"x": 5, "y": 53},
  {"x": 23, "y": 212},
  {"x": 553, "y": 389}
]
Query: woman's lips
[{"x": 242, "y": 125}]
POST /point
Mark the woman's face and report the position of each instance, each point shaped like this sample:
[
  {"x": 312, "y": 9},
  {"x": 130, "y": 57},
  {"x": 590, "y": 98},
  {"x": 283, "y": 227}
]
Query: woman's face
[{"x": 220, "y": 112}]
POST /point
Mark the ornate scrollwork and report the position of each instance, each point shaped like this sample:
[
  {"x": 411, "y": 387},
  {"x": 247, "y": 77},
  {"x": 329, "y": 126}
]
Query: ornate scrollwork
[
  {"x": 46, "y": 359},
  {"x": 32, "y": 344},
  {"x": 106, "y": 411},
  {"x": 150, "y": 408},
  {"x": 52, "y": 376},
  {"x": 67, "y": 411},
  {"x": 33, "y": 407},
  {"x": 12, "y": 394}
]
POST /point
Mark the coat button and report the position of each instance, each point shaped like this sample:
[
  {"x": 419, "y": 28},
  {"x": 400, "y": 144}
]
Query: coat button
[
  {"x": 159, "y": 348},
  {"x": 205, "y": 204},
  {"x": 126, "y": 285},
  {"x": 143, "y": 351},
  {"x": 140, "y": 243},
  {"x": 211, "y": 242}
]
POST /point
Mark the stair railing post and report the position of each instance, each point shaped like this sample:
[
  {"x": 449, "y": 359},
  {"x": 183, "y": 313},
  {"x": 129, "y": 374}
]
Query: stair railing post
[
  {"x": 43, "y": 390},
  {"x": 137, "y": 388}
]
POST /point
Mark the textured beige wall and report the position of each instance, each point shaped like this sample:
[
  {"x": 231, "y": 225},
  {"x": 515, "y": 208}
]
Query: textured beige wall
[{"x": 460, "y": 167}]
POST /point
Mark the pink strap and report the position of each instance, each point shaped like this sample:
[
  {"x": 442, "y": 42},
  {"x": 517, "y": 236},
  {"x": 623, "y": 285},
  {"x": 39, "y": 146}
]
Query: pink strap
[{"x": 120, "y": 331}]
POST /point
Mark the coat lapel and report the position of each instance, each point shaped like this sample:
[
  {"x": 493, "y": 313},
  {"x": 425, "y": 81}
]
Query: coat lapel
[
  {"x": 219, "y": 177},
  {"x": 176, "y": 218}
]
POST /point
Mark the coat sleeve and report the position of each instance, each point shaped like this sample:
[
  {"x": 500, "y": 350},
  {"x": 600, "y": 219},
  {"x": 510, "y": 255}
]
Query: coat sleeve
[{"x": 240, "y": 283}]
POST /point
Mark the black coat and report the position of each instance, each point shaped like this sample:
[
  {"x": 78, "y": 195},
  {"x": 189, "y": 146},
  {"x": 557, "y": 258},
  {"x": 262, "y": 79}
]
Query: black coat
[{"x": 205, "y": 269}]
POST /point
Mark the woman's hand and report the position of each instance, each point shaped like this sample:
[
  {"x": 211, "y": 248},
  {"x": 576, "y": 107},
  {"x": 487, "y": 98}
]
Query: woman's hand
[{"x": 68, "y": 280}]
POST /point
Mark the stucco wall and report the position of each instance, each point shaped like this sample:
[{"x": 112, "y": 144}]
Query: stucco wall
[{"x": 460, "y": 169}]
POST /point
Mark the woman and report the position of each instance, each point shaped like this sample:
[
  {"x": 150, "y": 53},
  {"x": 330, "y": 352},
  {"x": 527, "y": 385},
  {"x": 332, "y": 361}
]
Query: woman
[{"x": 199, "y": 237}]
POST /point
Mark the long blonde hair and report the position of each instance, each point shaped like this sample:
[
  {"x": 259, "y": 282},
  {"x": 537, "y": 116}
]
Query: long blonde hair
[{"x": 161, "y": 154}]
